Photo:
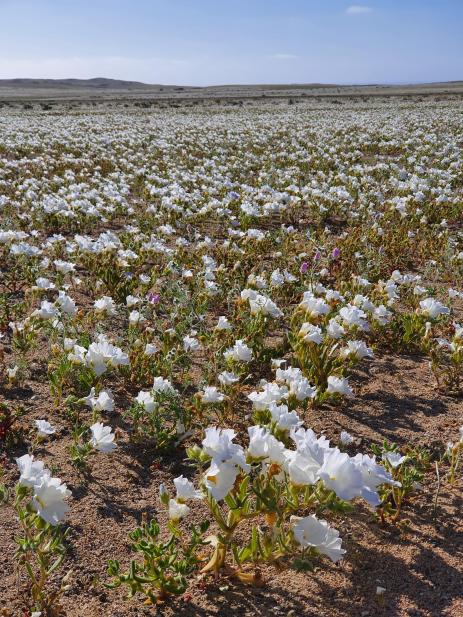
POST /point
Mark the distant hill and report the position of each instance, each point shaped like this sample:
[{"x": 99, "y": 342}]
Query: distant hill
[
  {"x": 104, "y": 83},
  {"x": 96, "y": 83},
  {"x": 104, "y": 89}
]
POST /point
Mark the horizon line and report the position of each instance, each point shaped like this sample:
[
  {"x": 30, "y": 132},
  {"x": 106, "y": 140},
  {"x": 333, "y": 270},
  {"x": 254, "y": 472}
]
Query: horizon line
[{"x": 225, "y": 85}]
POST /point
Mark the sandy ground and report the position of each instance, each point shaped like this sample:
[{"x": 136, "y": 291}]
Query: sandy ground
[{"x": 419, "y": 565}]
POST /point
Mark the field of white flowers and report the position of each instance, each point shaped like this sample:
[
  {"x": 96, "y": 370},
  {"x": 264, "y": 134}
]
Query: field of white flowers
[{"x": 231, "y": 360}]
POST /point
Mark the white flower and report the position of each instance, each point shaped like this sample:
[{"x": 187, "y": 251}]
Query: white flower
[
  {"x": 103, "y": 354},
  {"x": 190, "y": 343},
  {"x": 262, "y": 444},
  {"x": 353, "y": 316},
  {"x": 307, "y": 441},
  {"x": 394, "y": 458},
  {"x": 163, "y": 385},
  {"x": 102, "y": 438},
  {"x": 302, "y": 467},
  {"x": 340, "y": 474},
  {"x": 48, "y": 500},
  {"x": 150, "y": 349},
  {"x": 227, "y": 378},
  {"x": 433, "y": 308},
  {"x": 44, "y": 428},
  {"x": 391, "y": 290},
  {"x": 64, "y": 266},
  {"x": 44, "y": 283},
  {"x": 260, "y": 304},
  {"x": 177, "y": 510},
  {"x": 373, "y": 475},
  {"x": 105, "y": 305},
  {"x": 220, "y": 478},
  {"x": 333, "y": 295},
  {"x": 364, "y": 303},
  {"x": 276, "y": 278},
  {"x": 458, "y": 331},
  {"x": 380, "y": 591},
  {"x": 382, "y": 315},
  {"x": 12, "y": 372},
  {"x": 287, "y": 375},
  {"x": 283, "y": 418},
  {"x": 218, "y": 444},
  {"x": 223, "y": 324},
  {"x": 69, "y": 343},
  {"x": 339, "y": 385},
  {"x": 346, "y": 438},
  {"x": 301, "y": 389},
  {"x": 311, "y": 532},
  {"x": 136, "y": 317},
  {"x": 271, "y": 393},
  {"x": 163, "y": 491},
  {"x": 258, "y": 281},
  {"x": 67, "y": 304},
  {"x": 240, "y": 352},
  {"x": 47, "y": 310},
  {"x": 212, "y": 395},
  {"x": 103, "y": 402},
  {"x": 311, "y": 333},
  {"x": 78, "y": 355},
  {"x": 357, "y": 350},
  {"x": 31, "y": 471},
  {"x": 314, "y": 306},
  {"x": 186, "y": 489},
  {"x": 211, "y": 288},
  {"x": 146, "y": 400},
  {"x": 132, "y": 301},
  {"x": 334, "y": 330}
]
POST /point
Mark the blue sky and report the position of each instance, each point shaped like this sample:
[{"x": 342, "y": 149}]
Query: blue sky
[{"x": 201, "y": 42}]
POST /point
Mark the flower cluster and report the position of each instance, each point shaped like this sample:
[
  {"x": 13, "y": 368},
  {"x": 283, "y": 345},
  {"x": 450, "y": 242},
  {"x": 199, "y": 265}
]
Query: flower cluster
[{"x": 49, "y": 494}]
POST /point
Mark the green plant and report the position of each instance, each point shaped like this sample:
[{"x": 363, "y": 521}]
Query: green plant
[
  {"x": 165, "y": 565},
  {"x": 40, "y": 552},
  {"x": 163, "y": 423},
  {"x": 407, "y": 469}
]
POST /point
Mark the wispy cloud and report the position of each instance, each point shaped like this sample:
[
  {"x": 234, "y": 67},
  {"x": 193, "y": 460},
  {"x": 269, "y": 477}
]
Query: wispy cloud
[
  {"x": 284, "y": 57},
  {"x": 358, "y": 9}
]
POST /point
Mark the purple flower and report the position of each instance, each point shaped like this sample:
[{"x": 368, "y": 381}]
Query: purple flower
[
  {"x": 336, "y": 252},
  {"x": 153, "y": 298},
  {"x": 304, "y": 267},
  {"x": 317, "y": 256}
]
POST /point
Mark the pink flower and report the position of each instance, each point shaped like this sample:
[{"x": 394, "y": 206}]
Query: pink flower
[{"x": 153, "y": 298}]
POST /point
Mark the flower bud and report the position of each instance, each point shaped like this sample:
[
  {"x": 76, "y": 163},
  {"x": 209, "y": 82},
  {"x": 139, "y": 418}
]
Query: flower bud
[{"x": 163, "y": 494}]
